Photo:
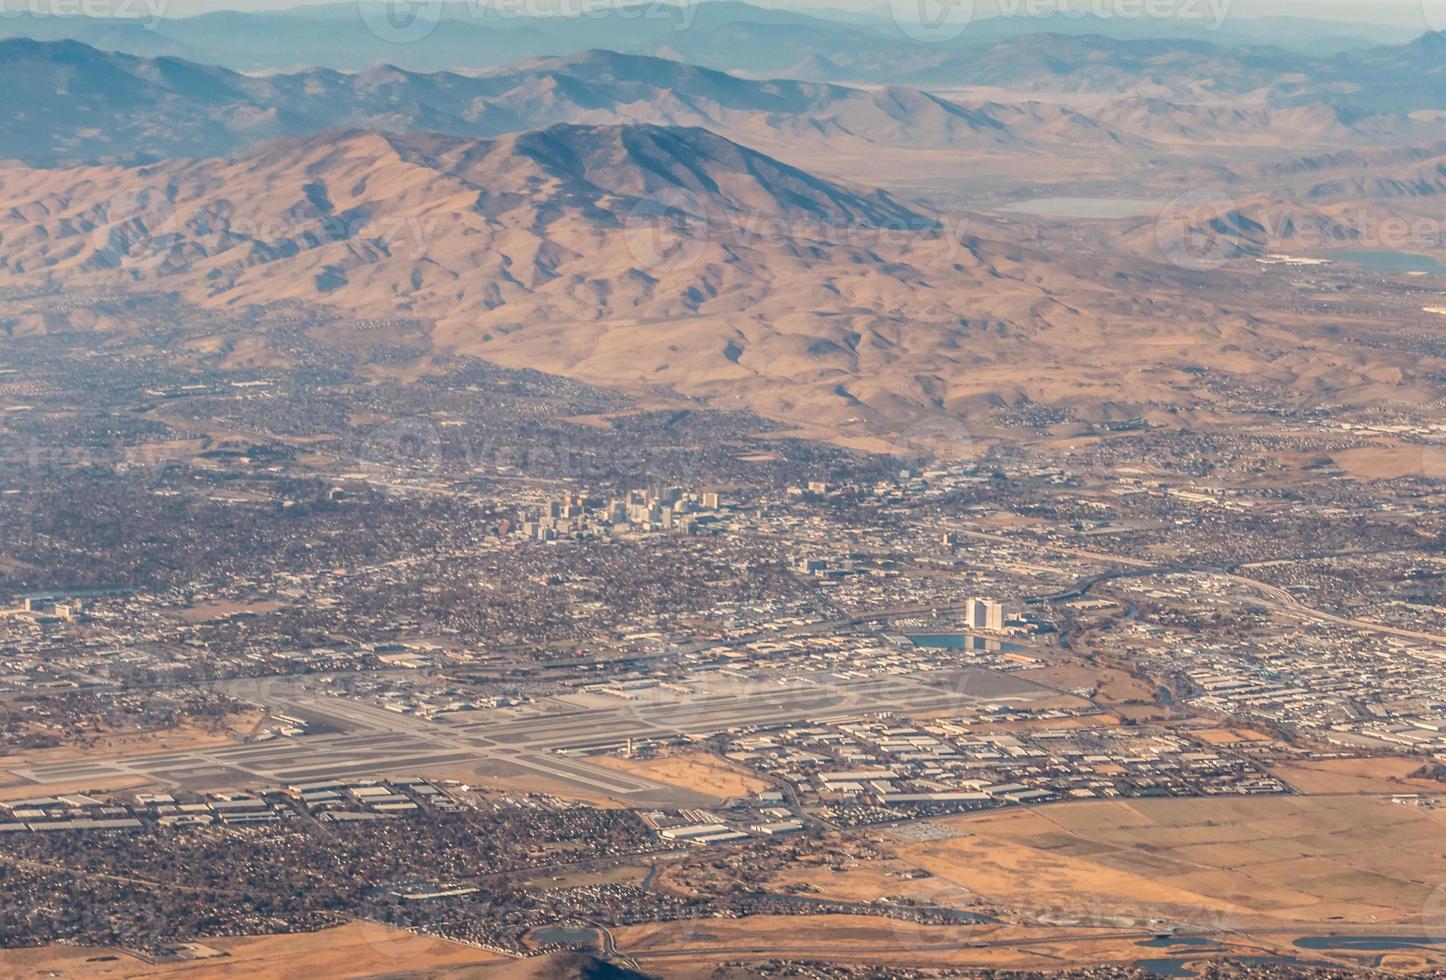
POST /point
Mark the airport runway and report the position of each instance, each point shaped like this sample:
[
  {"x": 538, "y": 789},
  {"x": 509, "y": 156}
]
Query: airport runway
[{"x": 374, "y": 741}]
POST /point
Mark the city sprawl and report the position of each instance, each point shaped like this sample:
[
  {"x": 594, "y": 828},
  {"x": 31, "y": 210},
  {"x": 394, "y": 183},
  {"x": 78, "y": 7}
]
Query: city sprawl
[{"x": 491, "y": 658}]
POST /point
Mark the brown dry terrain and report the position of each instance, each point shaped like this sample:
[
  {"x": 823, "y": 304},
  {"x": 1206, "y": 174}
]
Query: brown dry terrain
[
  {"x": 693, "y": 949},
  {"x": 1111, "y": 686},
  {"x": 867, "y": 881},
  {"x": 1236, "y": 861},
  {"x": 226, "y": 610},
  {"x": 499, "y": 776},
  {"x": 184, "y": 736},
  {"x": 700, "y": 772},
  {"x": 1381, "y": 775},
  {"x": 798, "y": 297},
  {"x": 359, "y": 949}
]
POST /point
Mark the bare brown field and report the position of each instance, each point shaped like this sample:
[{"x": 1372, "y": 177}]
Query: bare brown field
[
  {"x": 1237, "y": 860},
  {"x": 1228, "y": 736},
  {"x": 1380, "y": 462},
  {"x": 225, "y": 610},
  {"x": 869, "y": 881},
  {"x": 358, "y": 949},
  {"x": 693, "y": 948},
  {"x": 184, "y": 736},
  {"x": 700, "y": 772},
  {"x": 1385, "y": 775},
  {"x": 18, "y": 790},
  {"x": 1112, "y": 687}
]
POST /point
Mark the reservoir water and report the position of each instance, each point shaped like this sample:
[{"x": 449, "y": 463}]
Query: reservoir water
[{"x": 1390, "y": 261}]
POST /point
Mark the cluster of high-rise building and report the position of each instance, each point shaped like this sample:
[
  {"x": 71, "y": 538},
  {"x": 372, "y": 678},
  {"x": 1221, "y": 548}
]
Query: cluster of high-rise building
[
  {"x": 667, "y": 509},
  {"x": 46, "y": 611},
  {"x": 984, "y": 614}
]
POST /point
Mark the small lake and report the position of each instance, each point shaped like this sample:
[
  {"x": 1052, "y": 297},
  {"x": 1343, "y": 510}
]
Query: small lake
[
  {"x": 564, "y": 935},
  {"x": 1370, "y": 944},
  {"x": 1388, "y": 261},
  {"x": 1083, "y": 207},
  {"x": 1181, "y": 967}
]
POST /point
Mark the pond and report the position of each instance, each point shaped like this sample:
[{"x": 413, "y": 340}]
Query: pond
[
  {"x": 1368, "y": 943},
  {"x": 1179, "y": 966},
  {"x": 1385, "y": 260}
]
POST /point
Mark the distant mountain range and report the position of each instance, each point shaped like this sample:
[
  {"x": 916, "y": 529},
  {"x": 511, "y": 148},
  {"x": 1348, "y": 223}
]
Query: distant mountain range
[
  {"x": 740, "y": 38},
  {"x": 629, "y": 219},
  {"x": 71, "y": 103}
]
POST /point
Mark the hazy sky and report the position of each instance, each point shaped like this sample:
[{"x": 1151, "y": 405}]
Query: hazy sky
[{"x": 1370, "y": 11}]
